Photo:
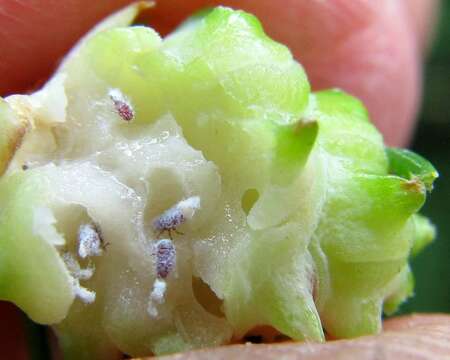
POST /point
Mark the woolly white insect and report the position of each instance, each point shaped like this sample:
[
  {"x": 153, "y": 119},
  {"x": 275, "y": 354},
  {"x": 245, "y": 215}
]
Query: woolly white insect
[
  {"x": 121, "y": 104},
  {"x": 156, "y": 297},
  {"x": 75, "y": 269},
  {"x": 165, "y": 257},
  {"x": 85, "y": 295},
  {"x": 165, "y": 261},
  {"x": 170, "y": 219},
  {"x": 164, "y": 250},
  {"x": 77, "y": 274},
  {"x": 90, "y": 241}
]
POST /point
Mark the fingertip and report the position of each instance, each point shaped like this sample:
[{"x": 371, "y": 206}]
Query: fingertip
[
  {"x": 167, "y": 14},
  {"x": 416, "y": 321},
  {"x": 423, "y": 16},
  {"x": 424, "y": 337},
  {"x": 36, "y": 34}
]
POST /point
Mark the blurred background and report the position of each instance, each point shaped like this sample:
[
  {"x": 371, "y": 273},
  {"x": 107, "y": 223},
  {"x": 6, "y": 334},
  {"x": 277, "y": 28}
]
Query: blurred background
[{"x": 431, "y": 268}]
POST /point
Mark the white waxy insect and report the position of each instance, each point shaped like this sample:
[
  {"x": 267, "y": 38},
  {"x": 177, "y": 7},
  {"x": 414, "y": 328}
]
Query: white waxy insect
[
  {"x": 156, "y": 297},
  {"x": 85, "y": 295},
  {"x": 90, "y": 242},
  {"x": 121, "y": 104},
  {"x": 165, "y": 257},
  {"x": 77, "y": 274},
  {"x": 75, "y": 269},
  {"x": 165, "y": 261},
  {"x": 170, "y": 219}
]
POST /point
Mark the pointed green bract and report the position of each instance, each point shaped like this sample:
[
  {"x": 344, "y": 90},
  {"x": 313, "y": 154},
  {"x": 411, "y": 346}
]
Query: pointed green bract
[
  {"x": 365, "y": 217},
  {"x": 366, "y": 226},
  {"x": 290, "y": 211},
  {"x": 409, "y": 165}
]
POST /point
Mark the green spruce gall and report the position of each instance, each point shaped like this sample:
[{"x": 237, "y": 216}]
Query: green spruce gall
[{"x": 159, "y": 195}]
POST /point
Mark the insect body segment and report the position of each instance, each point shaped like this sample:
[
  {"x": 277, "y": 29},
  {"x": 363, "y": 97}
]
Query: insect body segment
[
  {"x": 165, "y": 256},
  {"x": 164, "y": 249},
  {"x": 165, "y": 261},
  {"x": 121, "y": 104},
  {"x": 77, "y": 274},
  {"x": 170, "y": 219},
  {"x": 90, "y": 242},
  {"x": 85, "y": 295},
  {"x": 75, "y": 269}
]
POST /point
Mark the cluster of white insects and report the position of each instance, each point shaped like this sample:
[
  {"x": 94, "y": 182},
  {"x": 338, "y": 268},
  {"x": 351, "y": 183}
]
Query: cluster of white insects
[
  {"x": 89, "y": 238},
  {"x": 90, "y": 243},
  {"x": 164, "y": 250}
]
